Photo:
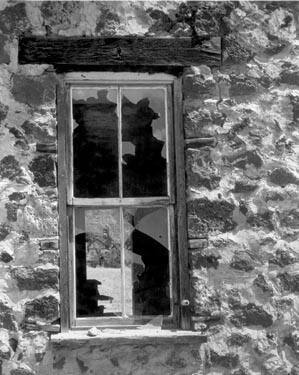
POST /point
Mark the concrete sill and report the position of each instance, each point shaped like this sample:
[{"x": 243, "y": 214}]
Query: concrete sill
[{"x": 75, "y": 339}]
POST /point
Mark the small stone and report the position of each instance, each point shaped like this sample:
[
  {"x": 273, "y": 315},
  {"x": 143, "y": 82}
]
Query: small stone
[
  {"x": 233, "y": 51},
  {"x": 203, "y": 259},
  {"x": 201, "y": 171},
  {"x": 242, "y": 261},
  {"x": 49, "y": 256},
  {"x": 198, "y": 85},
  {"x": 261, "y": 220},
  {"x": 48, "y": 244},
  {"x": 284, "y": 304},
  {"x": 5, "y": 352},
  {"x": 241, "y": 371},
  {"x": 93, "y": 331},
  {"x": 282, "y": 258},
  {"x": 201, "y": 122},
  {"x": 283, "y": 177},
  {"x": 206, "y": 215},
  {"x": 22, "y": 370},
  {"x": 289, "y": 218},
  {"x": 234, "y": 298},
  {"x": 12, "y": 211},
  {"x": 13, "y": 343},
  {"x": 226, "y": 359},
  {"x": 42, "y": 168},
  {"x": 261, "y": 283},
  {"x": 13, "y": 19},
  {"x": 3, "y": 111},
  {"x": 244, "y": 187},
  {"x": 108, "y": 23},
  {"x": 295, "y": 103},
  {"x": 181, "y": 29},
  {"x": 293, "y": 341},
  {"x": 34, "y": 91},
  {"x": 29, "y": 278},
  {"x": 237, "y": 339},
  {"x": 205, "y": 300},
  {"x": 241, "y": 85},
  {"x": 16, "y": 132},
  {"x": 10, "y": 167},
  {"x": 17, "y": 196},
  {"x": 290, "y": 76},
  {"x": 243, "y": 159},
  {"x": 7, "y": 319},
  {"x": 273, "y": 196},
  {"x": 42, "y": 308},
  {"x": 162, "y": 24},
  {"x": 274, "y": 366},
  {"x": 50, "y": 148},
  {"x": 289, "y": 282},
  {"x": 5, "y": 257},
  {"x": 251, "y": 314},
  {"x": 5, "y": 229},
  {"x": 36, "y": 132},
  {"x": 22, "y": 144}
]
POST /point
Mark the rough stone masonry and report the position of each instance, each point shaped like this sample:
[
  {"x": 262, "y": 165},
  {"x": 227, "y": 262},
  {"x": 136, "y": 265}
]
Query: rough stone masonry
[{"x": 242, "y": 189}]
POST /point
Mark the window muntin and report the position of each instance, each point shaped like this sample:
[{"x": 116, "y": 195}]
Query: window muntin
[{"x": 121, "y": 106}]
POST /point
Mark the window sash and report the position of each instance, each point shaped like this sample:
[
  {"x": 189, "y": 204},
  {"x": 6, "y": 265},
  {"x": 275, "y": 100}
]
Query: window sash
[
  {"x": 123, "y": 320},
  {"x": 169, "y": 142}
]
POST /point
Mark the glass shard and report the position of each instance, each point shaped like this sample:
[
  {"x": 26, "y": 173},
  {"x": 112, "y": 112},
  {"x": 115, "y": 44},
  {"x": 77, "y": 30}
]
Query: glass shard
[
  {"x": 144, "y": 142},
  {"x": 98, "y": 262},
  {"x": 147, "y": 261},
  {"x": 95, "y": 142}
]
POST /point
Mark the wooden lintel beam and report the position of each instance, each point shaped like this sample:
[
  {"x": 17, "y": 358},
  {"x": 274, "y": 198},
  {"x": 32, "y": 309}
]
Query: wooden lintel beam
[{"x": 119, "y": 51}]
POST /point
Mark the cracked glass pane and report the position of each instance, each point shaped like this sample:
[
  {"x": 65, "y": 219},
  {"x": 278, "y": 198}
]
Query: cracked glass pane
[
  {"x": 144, "y": 142},
  {"x": 147, "y": 261},
  {"x": 95, "y": 142},
  {"x": 98, "y": 262}
]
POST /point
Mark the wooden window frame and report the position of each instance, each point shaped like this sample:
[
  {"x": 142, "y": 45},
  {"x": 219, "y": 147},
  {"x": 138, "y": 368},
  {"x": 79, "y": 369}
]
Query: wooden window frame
[{"x": 181, "y": 285}]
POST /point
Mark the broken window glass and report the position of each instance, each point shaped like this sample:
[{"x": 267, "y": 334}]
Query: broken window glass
[
  {"x": 144, "y": 142},
  {"x": 146, "y": 241},
  {"x": 95, "y": 142}
]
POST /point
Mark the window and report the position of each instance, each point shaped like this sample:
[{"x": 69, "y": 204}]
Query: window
[{"x": 117, "y": 185}]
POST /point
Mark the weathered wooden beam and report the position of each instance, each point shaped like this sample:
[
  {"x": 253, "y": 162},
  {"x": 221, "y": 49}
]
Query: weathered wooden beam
[{"x": 118, "y": 51}]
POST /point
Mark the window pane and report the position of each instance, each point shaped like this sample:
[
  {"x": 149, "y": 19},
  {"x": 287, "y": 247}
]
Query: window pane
[
  {"x": 98, "y": 262},
  {"x": 146, "y": 240},
  {"x": 95, "y": 142},
  {"x": 144, "y": 142}
]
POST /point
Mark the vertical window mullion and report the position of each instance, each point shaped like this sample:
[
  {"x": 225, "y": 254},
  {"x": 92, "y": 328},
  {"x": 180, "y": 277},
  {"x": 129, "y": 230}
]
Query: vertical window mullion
[
  {"x": 120, "y": 179},
  {"x": 170, "y": 143},
  {"x": 70, "y": 188},
  {"x": 122, "y": 260},
  {"x": 122, "y": 244}
]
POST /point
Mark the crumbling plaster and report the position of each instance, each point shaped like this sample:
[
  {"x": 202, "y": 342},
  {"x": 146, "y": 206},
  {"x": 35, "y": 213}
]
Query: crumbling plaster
[{"x": 242, "y": 189}]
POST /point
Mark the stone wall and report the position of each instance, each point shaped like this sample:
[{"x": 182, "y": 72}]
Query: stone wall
[{"x": 242, "y": 193}]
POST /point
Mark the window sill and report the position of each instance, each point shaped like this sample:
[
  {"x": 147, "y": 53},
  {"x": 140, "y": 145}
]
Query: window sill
[{"x": 127, "y": 337}]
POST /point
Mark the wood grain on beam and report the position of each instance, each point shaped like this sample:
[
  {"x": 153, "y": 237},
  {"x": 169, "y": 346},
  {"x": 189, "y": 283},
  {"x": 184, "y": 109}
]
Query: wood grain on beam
[{"x": 118, "y": 51}]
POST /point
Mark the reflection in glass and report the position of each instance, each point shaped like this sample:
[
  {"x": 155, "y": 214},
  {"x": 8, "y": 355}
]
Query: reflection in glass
[
  {"x": 95, "y": 142},
  {"x": 147, "y": 261},
  {"x": 144, "y": 142},
  {"x": 98, "y": 262}
]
